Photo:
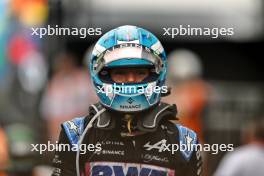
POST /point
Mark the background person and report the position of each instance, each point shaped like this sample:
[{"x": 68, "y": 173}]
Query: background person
[
  {"x": 3, "y": 152},
  {"x": 67, "y": 95},
  {"x": 247, "y": 160}
]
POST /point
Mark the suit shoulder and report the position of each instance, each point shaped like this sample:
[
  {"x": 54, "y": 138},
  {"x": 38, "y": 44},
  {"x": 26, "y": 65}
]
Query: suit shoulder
[
  {"x": 74, "y": 129},
  {"x": 185, "y": 131},
  {"x": 186, "y": 138}
]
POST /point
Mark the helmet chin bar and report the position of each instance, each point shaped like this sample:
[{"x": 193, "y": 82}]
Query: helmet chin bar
[{"x": 130, "y": 97}]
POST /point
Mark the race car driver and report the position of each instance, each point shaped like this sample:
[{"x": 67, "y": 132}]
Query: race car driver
[{"x": 132, "y": 126}]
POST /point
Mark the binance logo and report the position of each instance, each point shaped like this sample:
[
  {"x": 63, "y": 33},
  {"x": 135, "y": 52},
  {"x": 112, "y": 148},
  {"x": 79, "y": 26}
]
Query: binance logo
[{"x": 130, "y": 100}]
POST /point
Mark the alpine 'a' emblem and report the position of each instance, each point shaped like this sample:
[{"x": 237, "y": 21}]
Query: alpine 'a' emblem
[{"x": 160, "y": 146}]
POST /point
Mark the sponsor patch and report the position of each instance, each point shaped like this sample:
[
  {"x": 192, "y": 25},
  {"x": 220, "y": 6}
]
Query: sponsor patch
[{"x": 125, "y": 169}]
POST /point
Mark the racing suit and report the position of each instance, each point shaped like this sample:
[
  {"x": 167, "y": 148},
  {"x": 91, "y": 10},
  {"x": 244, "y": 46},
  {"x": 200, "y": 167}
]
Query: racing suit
[{"x": 145, "y": 149}]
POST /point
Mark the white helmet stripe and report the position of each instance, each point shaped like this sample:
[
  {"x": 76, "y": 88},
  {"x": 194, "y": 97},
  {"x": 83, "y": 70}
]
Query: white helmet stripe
[
  {"x": 133, "y": 41},
  {"x": 130, "y": 52},
  {"x": 157, "y": 47},
  {"x": 98, "y": 49}
]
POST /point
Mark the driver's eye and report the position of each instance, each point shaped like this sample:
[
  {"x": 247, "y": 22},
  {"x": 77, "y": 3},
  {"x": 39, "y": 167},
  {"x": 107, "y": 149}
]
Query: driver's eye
[
  {"x": 120, "y": 72},
  {"x": 104, "y": 72},
  {"x": 142, "y": 73}
]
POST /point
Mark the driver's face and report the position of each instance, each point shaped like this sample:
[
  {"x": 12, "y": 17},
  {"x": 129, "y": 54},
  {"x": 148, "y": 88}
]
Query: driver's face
[{"x": 129, "y": 75}]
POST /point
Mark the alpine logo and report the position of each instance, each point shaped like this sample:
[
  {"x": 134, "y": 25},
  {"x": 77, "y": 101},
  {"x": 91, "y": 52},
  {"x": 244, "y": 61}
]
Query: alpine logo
[
  {"x": 161, "y": 146},
  {"x": 125, "y": 169},
  {"x": 72, "y": 126}
]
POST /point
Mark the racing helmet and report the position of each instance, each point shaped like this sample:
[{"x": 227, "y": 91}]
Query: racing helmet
[{"x": 128, "y": 47}]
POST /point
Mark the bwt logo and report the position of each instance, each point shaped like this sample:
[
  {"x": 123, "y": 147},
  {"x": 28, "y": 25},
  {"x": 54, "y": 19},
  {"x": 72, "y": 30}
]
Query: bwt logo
[{"x": 125, "y": 169}]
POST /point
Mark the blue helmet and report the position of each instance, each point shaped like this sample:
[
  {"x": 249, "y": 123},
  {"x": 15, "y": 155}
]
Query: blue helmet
[{"x": 128, "y": 46}]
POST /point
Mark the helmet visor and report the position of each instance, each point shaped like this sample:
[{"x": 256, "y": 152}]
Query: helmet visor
[{"x": 129, "y": 57}]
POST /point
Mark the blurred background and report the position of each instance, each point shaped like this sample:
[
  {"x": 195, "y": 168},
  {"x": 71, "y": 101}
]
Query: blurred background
[{"x": 217, "y": 84}]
